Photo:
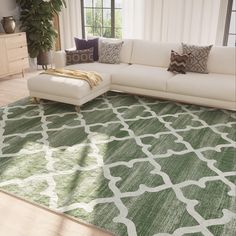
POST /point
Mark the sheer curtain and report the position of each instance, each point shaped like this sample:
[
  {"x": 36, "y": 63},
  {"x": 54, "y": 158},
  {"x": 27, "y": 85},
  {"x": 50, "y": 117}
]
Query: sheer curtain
[
  {"x": 190, "y": 21},
  {"x": 70, "y": 23}
]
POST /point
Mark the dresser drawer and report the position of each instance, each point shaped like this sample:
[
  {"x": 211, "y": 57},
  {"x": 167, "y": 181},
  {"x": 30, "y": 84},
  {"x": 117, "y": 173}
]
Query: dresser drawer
[
  {"x": 17, "y": 53},
  {"x": 16, "y": 41},
  {"x": 18, "y": 66}
]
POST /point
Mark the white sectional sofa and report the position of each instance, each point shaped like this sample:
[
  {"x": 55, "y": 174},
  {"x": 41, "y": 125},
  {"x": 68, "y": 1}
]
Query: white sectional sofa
[{"x": 143, "y": 70}]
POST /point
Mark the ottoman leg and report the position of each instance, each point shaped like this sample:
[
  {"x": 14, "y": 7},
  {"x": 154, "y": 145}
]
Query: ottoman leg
[
  {"x": 36, "y": 100},
  {"x": 77, "y": 108}
]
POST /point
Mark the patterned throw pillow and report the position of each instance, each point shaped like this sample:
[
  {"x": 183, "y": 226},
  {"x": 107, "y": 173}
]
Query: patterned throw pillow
[
  {"x": 110, "y": 52},
  {"x": 178, "y": 62},
  {"x": 79, "y": 56},
  {"x": 198, "y": 58},
  {"x": 82, "y": 44}
]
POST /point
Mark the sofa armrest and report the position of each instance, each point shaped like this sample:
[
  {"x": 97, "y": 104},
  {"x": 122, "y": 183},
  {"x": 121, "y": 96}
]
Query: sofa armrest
[{"x": 59, "y": 59}]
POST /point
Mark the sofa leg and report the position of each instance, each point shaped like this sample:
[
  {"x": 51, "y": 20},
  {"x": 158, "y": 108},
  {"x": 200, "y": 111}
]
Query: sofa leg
[
  {"x": 36, "y": 100},
  {"x": 77, "y": 108}
]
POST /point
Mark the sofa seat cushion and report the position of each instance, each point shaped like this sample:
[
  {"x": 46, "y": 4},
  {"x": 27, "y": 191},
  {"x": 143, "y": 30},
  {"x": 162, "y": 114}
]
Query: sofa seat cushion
[
  {"x": 65, "y": 87},
  {"x": 213, "y": 86},
  {"x": 140, "y": 76},
  {"x": 98, "y": 67}
]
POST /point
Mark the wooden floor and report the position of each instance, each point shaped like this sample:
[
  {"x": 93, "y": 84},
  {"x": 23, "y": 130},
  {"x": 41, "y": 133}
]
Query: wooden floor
[
  {"x": 13, "y": 88},
  {"x": 20, "y": 218}
]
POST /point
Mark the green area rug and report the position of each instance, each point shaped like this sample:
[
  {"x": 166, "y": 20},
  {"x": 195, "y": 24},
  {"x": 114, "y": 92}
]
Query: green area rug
[{"x": 131, "y": 165}]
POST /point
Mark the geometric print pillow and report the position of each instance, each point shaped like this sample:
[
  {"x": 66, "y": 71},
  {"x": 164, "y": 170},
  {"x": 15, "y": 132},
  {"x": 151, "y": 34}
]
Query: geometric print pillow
[
  {"x": 79, "y": 56},
  {"x": 110, "y": 52},
  {"x": 198, "y": 57},
  {"x": 178, "y": 62}
]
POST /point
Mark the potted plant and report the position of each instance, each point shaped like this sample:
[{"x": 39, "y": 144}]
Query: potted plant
[{"x": 36, "y": 18}]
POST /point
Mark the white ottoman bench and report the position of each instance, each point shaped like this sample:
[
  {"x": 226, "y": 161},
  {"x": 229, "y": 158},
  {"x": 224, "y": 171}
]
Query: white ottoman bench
[{"x": 66, "y": 90}]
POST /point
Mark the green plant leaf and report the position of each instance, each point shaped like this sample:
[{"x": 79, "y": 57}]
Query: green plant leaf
[{"x": 36, "y": 19}]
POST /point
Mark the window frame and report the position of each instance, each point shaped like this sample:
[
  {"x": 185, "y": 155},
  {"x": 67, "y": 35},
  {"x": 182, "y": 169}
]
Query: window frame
[
  {"x": 227, "y": 22},
  {"x": 112, "y": 27}
]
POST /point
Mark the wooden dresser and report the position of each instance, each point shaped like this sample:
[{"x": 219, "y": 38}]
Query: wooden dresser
[{"x": 13, "y": 54}]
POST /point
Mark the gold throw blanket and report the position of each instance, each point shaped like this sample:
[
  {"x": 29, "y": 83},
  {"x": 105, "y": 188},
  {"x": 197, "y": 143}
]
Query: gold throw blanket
[{"x": 92, "y": 78}]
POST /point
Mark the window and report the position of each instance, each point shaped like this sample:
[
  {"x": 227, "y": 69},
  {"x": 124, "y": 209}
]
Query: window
[
  {"x": 230, "y": 26},
  {"x": 102, "y": 18}
]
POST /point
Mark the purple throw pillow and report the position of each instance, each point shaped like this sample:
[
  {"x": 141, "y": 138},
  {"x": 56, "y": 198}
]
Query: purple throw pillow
[{"x": 82, "y": 44}]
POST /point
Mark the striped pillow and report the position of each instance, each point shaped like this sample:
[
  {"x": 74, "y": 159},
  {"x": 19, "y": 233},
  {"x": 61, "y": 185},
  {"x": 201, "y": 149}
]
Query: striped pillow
[{"x": 178, "y": 62}]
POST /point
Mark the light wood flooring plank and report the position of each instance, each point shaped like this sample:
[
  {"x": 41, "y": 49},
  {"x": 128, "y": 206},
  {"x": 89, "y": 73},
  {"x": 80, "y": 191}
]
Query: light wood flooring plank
[
  {"x": 21, "y": 218},
  {"x": 13, "y": 88}
]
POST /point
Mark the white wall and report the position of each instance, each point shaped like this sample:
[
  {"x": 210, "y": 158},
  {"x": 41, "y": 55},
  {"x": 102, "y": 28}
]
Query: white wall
[{"x": 9, "y": 8}]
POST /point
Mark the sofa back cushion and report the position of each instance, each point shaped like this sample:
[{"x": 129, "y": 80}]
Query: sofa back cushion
[
  {"x": 152, "y": 53},
  {"x": 222, "y": 60}
]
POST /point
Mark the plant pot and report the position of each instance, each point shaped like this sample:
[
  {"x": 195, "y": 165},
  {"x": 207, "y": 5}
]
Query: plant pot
[
  {"x": 8, "y": 24},
  {"x": 44, "y": 59}
]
